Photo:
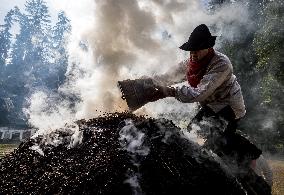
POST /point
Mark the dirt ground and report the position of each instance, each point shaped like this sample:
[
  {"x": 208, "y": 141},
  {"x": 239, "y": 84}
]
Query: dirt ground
[
  {"x": 6, "y": 149},
  {"x": 278, "y": 176}
]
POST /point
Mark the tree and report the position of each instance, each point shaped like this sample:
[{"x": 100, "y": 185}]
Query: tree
[
  {"x": 269, "y": 47},
  {"x": 37, "y": 59},
  {"x": 59, "y": 57},
  {"x": 5, "y": 45},
  {"x": 5, "y": 38},
  {"x": 269, "y": 41},
  {"x": 28, "y": 53},
  {"x": 29, "y": 49}
]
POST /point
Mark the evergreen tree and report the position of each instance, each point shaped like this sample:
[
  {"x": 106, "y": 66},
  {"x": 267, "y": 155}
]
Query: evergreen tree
[
  {"x": 5, "y": 38},
  {"x": 269, "y": 47},
  {"x": 60, "y": 30},
  {"x": 37, "y": 59},
  {"x": 59, "y": 56},
  {"x": 28, "y": 53},
  {"x": 5, "y": 44},
  {"x": 39, "y": 22}
]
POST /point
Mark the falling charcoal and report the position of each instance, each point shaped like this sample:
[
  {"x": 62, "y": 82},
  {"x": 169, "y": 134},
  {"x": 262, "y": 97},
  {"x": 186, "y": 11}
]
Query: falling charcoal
[{"x": 120, "y": 153}]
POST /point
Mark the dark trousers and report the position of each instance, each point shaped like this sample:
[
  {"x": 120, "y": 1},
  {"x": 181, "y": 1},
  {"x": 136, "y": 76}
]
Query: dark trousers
[
  {"x": 226, "y": 114},
  {"x": 234, "y": 142}
]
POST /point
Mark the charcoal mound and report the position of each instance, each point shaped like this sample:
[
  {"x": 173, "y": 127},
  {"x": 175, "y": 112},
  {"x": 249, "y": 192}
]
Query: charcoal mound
[{"x": 120, "y": 153}]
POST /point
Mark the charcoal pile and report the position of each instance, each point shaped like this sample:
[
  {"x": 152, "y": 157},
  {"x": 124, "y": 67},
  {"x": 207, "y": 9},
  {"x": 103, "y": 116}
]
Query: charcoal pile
[{"x": 118, "y": 153}]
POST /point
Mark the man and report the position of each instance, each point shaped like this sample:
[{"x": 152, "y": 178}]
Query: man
[{"x": 211, "y": 81}]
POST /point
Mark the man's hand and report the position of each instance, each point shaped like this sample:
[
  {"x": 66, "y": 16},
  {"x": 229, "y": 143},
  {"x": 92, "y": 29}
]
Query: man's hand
[
  {"x": 160, "y": 92},
  {"x": 156, "y": 92},
  {"x": 167, "y": 91},
  {"x": 139, "y": 92}
]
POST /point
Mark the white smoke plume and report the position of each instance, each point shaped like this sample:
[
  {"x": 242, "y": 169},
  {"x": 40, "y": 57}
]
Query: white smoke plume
[
  {"x": 132, "y": 140},
  {"x": 37, "y": 149},
  {"x": 126, "y": 39}
]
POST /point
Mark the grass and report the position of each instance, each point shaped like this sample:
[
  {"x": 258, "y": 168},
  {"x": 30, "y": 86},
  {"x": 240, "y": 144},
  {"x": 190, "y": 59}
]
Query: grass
[
  {"x": 6, "y": 149},
  {"x": 276, "y": 165}
]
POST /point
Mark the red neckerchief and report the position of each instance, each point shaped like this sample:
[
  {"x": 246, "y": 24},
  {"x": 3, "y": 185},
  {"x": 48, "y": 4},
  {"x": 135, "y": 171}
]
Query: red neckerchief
[{"x": 196, "y": 70}]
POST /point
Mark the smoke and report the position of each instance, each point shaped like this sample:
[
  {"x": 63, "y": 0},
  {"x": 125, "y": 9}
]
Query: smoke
[
  {"x": 132, "y": 140},
  {"x": 37, "y": 149},
  {"x": 126, "y": 39},
  {"x": 44, "y": 115},
  {"x": 69, "y": 136}
]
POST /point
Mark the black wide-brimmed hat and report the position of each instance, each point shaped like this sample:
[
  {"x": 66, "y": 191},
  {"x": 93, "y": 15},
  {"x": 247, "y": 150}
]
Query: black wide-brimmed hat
[{"x": 199, "y": 39}]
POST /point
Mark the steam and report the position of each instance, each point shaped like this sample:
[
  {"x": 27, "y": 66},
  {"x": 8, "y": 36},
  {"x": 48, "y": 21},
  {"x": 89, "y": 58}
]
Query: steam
[
  {"x": 193, "y": 134},
  {"x": 132, "y": 140},
  {"x": 125, "y": 39},
  {"x": 44, "y": 115},
  {"x": 37, "y": 149},
  {"x": 70, "y": 136}
]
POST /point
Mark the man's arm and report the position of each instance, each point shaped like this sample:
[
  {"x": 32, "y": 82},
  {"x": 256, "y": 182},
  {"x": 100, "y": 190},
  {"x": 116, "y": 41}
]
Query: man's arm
[{"x": 175, "y": 75}]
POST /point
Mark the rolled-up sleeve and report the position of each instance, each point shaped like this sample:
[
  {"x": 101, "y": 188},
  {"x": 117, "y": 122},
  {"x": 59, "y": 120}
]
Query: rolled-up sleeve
[{"x": 208, "y": 84}]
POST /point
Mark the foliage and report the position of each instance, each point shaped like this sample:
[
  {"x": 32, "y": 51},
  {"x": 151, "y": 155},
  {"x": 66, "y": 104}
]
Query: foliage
[
  {"x": 34, "y": 58},
  {"x": 269, "y": 41},
  {"x": 257, "y": 56},
  {"x": 269, "y": 47}
]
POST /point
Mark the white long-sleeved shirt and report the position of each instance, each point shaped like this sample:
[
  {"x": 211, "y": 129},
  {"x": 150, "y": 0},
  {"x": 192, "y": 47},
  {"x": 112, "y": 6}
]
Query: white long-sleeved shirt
[{"x": 217, "y": 89}]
